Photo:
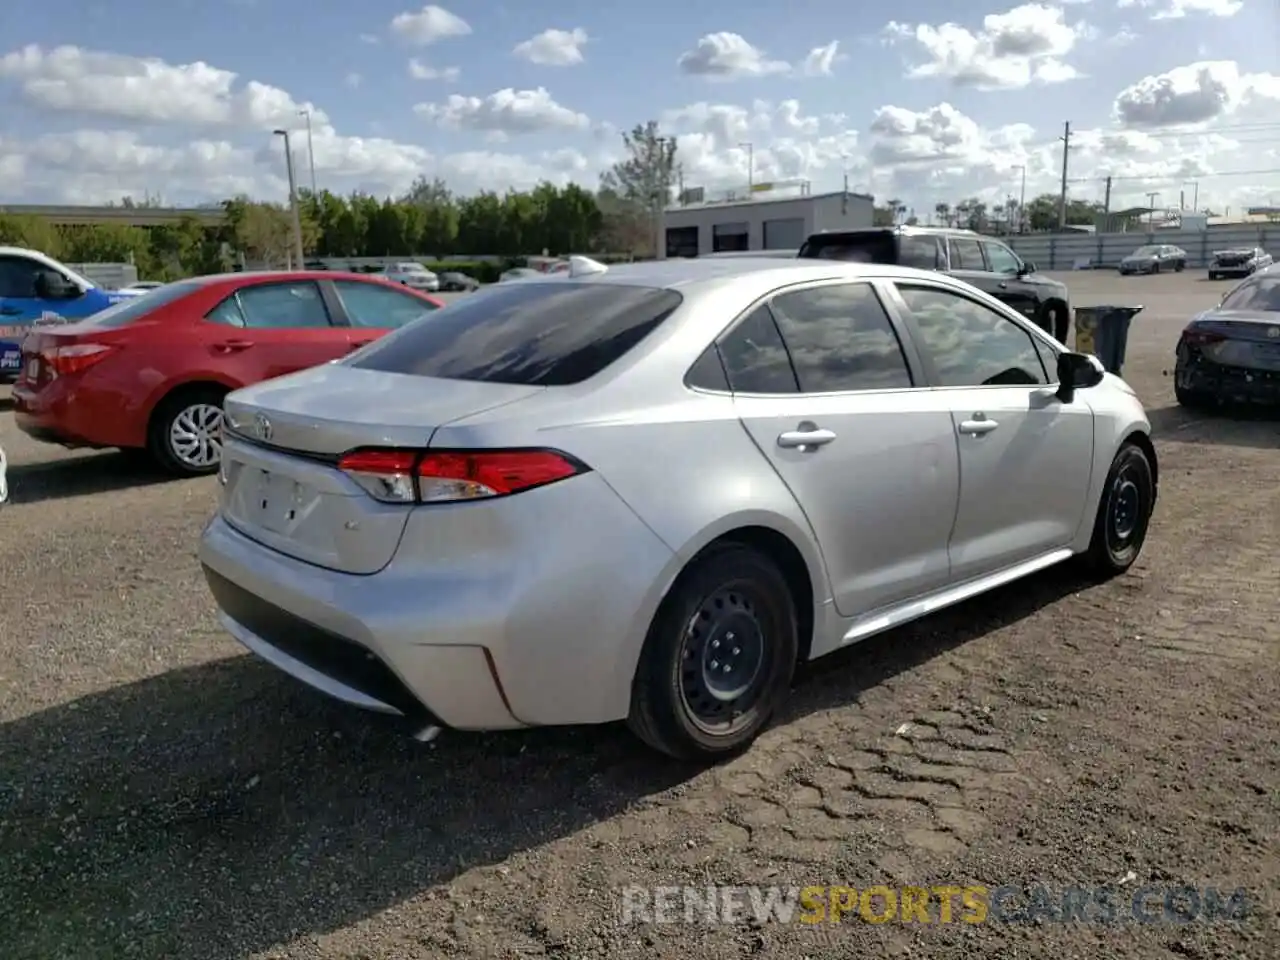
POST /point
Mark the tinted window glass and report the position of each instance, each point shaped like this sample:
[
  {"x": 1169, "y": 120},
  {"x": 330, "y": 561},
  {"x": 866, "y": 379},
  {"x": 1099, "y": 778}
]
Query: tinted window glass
[
  {"x": 126, "y": 311},
  {"x": 919, "y": 252},
  {"x": 840, "y": 338},
  {"x": 1260, "y": 293},
  {"x": 273, "y": 306},
  {"x": 228, "y": 313},
  {"x": 551, "y": 333},
  {"x": 18, "y": 277},
  {"x": 373, "y": 305},
  {"x": 966, "y": 255},
  {"x": 755, "y": 357},
  {"x": 972, "y": 345},
  {"x": 707, "y": 371},
  {"x": 1001, "y": 258}
]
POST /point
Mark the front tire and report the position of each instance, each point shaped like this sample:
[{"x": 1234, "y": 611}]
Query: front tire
[
  {"x": 1179, "y": 266},
  {"x": 719, "y": 657},
  {"x": 1124, "y": 513},
  {"x": 185, "y": 439}
]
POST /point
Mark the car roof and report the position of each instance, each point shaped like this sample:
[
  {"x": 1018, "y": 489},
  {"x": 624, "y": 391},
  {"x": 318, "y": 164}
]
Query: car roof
[
  {"x": 763, "y": 272},
  {"x": 278, "y": 276},
  {"x": 904, "y": 229}
]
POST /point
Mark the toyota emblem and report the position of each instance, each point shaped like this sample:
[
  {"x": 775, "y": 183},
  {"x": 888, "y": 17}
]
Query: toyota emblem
[{"x": 261, "y": 427}]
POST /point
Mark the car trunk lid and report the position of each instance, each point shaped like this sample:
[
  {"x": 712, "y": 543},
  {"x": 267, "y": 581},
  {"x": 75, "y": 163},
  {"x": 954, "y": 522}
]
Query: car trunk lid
[
  {"x": 281, "y": 482},
  {"x": 1249, "y": 338}
]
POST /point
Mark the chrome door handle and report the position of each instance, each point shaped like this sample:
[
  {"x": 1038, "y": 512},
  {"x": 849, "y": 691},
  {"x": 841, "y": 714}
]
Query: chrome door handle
[
  {"x": 800, "y": 439},
  {"x": 978, "y": 426}
]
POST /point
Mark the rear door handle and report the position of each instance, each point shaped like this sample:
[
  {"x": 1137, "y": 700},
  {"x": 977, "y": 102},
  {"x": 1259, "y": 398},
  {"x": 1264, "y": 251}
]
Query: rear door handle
[
  {"x": 1004, "y": 285},
  {"x": 802, "y": 439},
  {"x": 232, "y": 346},
  {"x": 978, "y": 425}
]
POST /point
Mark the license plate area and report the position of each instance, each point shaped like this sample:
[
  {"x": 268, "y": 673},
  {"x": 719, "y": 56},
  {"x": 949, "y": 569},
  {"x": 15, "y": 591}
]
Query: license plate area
[{"x": 278, "y": 502}]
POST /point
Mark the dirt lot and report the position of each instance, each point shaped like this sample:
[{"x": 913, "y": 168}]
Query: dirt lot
[{"x": 162, "y": 795}]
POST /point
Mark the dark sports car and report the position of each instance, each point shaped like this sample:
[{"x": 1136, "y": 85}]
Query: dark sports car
[{"x": 1231, "y": 354}]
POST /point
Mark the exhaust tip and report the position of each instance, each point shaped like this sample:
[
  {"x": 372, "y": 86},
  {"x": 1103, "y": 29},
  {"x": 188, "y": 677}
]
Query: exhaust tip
[{"x": 427, "y": 734}]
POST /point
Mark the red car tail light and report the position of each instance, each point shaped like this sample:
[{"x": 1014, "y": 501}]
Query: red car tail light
[
  {"x": 449, "y": 476},
  {"x": 76, "y": 358},
  {"x": 1201, "y": 338}
]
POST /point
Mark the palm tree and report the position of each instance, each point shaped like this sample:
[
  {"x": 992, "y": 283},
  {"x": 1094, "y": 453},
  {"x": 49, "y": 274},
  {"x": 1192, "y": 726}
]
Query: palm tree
[
  {"x": 897, "y": 208},
  {"x": 943, "y": 213}
]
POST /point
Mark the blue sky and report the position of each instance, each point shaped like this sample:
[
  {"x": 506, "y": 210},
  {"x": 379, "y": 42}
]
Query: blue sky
[{"x": 947, "y": 102}]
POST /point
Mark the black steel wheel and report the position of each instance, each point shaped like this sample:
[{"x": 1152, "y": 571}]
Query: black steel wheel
[
  {"x": 1124, "y": 513},
  {"x": 719, "y": 656}
]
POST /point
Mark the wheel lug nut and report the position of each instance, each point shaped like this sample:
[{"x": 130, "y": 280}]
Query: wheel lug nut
[
  {"x": 736, "y": 651},
  {"x": 715, "y": 664},
  {"x": 715, "y": 644},
  {"x": 727, "y": 668},
  {"x": 729, "y": 636}
]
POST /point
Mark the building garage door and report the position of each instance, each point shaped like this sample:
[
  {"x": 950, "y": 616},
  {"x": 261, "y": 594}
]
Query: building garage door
[
  {"x": 784, "y": 234},
  {"x": 726, "y": 237}
]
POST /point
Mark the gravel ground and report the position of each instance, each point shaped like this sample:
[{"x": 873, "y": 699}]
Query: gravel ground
[{"x": 162, "y": 795}]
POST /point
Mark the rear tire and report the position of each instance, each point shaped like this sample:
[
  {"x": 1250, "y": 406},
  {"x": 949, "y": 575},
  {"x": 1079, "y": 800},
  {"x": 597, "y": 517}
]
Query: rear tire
[
  {"x": 1179, "y": 266},
  {"x": 1192, "y": 399},
  {"x": 183, "y": 438},
  {"x": 1212, "y": 275},
  {"x": 1124, "y": 513},
  {"x": 719, "y": 657}
]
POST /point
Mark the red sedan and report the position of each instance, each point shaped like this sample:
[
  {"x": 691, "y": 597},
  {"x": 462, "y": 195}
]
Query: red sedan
[{"x": 150, "y": 373}]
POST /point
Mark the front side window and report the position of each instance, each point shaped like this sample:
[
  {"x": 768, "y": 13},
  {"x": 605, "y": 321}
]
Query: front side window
[
  {"x": 970, "y": 344},
  {"x": 275, "y": 306},
  {"x": 1001, "y": 258},
  {"x": 552, "y": 333},
  {"x": 378, "y": 306},
  {"x": 840, "y": 339}
]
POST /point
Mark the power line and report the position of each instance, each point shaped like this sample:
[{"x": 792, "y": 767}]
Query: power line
[{"x": 1169, "y": 178}]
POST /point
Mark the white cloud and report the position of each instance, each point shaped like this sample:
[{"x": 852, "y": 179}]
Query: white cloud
[
  {"x": 148, "y": 90},
  {"x": 554, "y": 48},
  {"x": 1193, "y": 94},
  {"x": 728, "y": 56},
  {"x": 821, "y": 59},
  {"x": 1014, "y": 49},
  {"x": 1179, "y": 9},
  {"x": 370, "y": 38},
  {"x": 421, "y": 71},
  {"x": 429, "y": 25},
  {"x": 353, "y": 80},
  {"x": 505, "y": 112}
]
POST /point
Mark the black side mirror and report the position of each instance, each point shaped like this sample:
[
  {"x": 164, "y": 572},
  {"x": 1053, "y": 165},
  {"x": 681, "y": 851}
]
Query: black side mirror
[
  {"x": 1077, "y": 371},
  {"x": 1027, "y": 268}
]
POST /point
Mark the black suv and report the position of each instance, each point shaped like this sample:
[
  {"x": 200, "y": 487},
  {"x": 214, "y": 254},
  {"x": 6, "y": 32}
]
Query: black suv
[{"x": 981, "y": 261}]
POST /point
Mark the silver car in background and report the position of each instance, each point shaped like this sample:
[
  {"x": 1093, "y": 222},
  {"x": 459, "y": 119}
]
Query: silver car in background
[
  {"x": 413, "y": 275},
  {"x": 1238, "y": 262},
  {"x": 649, "y": 491}
]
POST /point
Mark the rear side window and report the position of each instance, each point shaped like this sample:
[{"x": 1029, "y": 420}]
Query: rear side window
[
  {"x": 919, "y": 252},
  {"x": 840, "y": 339},
  {"x": 380, "y": 306},
  {"x": 549, "y": 334},
  {"x": 273, "y": 306},
  {"x": 126, "y": 311},
  {"x": 755, "y": 358},
  {"x": 967, "y": 255}
]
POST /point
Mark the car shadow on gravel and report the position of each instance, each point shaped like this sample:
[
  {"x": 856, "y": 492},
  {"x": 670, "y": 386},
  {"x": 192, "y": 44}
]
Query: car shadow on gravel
[
  {"x": 80, "y": 476},
  {"x": 1231, "y": 427},
  {"x": 220, "y": 810}
]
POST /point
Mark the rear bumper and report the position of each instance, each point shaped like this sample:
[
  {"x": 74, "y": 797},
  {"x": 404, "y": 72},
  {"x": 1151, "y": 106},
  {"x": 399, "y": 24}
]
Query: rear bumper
[
  {"x": 1228, "y": 384},
  {"x": 1231, "y": 270},
  {"x": 542, "y": 630},
  {"x": 74, "y": 415}
]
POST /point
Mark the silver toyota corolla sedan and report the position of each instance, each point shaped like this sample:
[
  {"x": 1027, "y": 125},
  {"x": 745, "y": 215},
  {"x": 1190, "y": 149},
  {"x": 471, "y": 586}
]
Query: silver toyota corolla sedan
[{"x": 649, "y": 491}]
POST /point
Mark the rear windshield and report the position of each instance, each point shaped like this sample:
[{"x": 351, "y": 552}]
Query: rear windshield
[
  {"x": 126, "y": 311},
  {"x": 1262, "y": 294},
  {"x": 549, "y": 334}
]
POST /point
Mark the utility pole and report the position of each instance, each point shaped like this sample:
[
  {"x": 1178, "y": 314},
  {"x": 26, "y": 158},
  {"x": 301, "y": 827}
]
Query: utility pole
[
  {"x": 311, "y": 150},
  {"x": 1151, "y": 208},
  {"x": 1022, "y": 198},
  {"x": 751, "y": 164},
  {"x": 1062, "y": 200},
  {"x": 662, "y": 193},
  {"x": 293, "y": 199},
  {"x": 1106, "y": 200}
]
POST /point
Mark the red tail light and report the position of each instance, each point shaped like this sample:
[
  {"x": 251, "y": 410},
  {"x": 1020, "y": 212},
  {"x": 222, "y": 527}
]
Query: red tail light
[
  {"x": 76, "y": 358},
  {"x": 449, "y": 476},
  {"x": 1201, "y": 338}
]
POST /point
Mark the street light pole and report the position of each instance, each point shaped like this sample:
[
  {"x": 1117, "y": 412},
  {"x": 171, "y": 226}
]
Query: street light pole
[
  {"x": 311, "y": 150},
  {"x": 1022, "y": 197},
  {"x": 293, "y": 198},
  {"x": 1151, "y": 208}
]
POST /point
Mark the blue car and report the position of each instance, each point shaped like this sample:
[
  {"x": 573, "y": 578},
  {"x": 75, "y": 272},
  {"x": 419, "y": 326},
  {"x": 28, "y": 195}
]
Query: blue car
[{"x": 35, "y": 288}]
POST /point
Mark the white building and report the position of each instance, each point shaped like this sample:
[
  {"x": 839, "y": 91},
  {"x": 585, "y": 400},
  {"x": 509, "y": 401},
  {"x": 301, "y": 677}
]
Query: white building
[{"x": 771, "y": 223}]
